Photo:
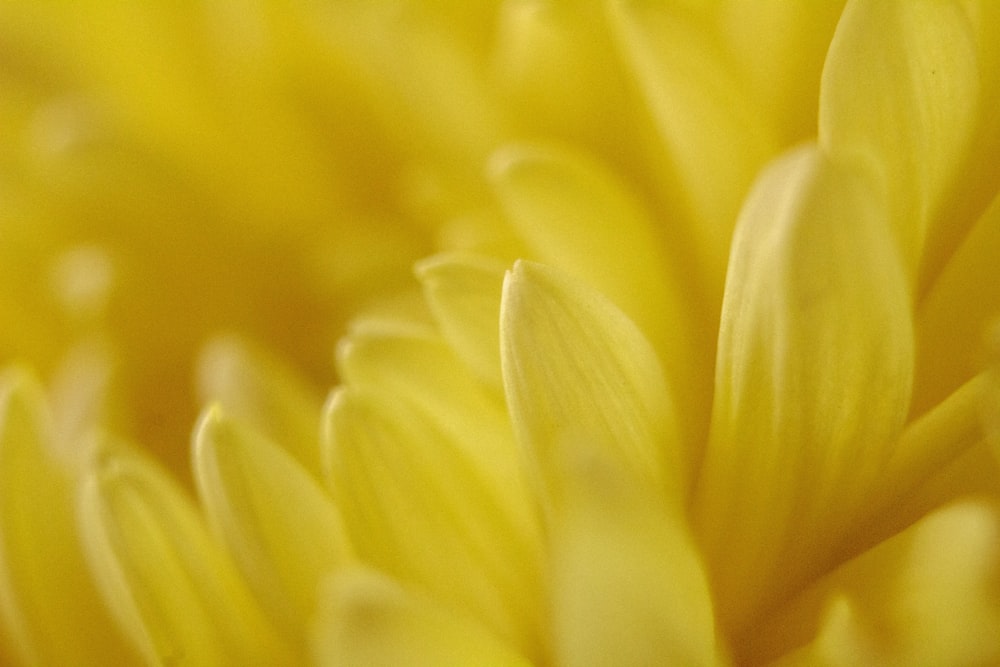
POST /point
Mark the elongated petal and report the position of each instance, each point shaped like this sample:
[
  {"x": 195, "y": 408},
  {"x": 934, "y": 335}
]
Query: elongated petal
[
  {"x": 628, "y": 585},
  {"x": 413, "y": 365},
  {"x": 575, "y": 366},
  {"x": 260, "y": 390},
  {"x": 958, "y": 307},
  {"x": 575, "y": 214},
  {"x": 282, "y": 529},
  {"x": 366, "y": 619},
  {"x": 172, "y": 588},
  {"x": 420, "y": 508},
  {"x": 715, "y": 137},
  {"x": 926, "y": 597},
  {"x": 812, "y": 381},
  {"x": 901, "y": 87},
  {"x": 463, "y": 292},
  {"x": 51, "y": 612}
]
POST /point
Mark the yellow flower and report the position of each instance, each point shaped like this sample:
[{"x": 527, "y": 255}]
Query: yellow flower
[{"x": 702, "y": 367}]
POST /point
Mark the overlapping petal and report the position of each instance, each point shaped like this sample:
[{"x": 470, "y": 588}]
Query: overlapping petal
[
  {"x": 813, "y": 378},
  {"x": 42, "y": 561},
  {"x": 281, "y": 528},
  {"x": 173, "y": 590}
]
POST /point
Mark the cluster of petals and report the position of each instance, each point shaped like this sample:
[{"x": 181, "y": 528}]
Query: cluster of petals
[{"x": 673, "y": 337}]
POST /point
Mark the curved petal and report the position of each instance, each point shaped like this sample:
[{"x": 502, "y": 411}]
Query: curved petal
[
  {"x": 572, "y": 212},
  {"x": 463, "y": 293},
  {"x": 265, "y": 393},
  {"x": 366, "y": 619},
  {"x": 419, "y": 507},
  {"x": 280, "y": 526},
  {"x": 628, "y": 585},
  {"x": 45, "y": 587},
  {"x": 575, "y": 367},
  {"x": 901, "y": 87},
  {"x": 171, "y": 587},
  {"x": 813, "y": 378}
]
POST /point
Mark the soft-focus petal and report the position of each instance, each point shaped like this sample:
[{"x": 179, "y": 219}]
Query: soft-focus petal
[
  {"x": 463, "y": 292},
  {"x": 572, "y": 212},
  {"x": 812, "y": 381},
  {"x": 366, "y": 619},
  {"x": 901, "y": 87},
  {"x": 171, "y": 587},
  {"x": 628, "y": 586},
  {"x": 575, "y": 367},
  {"x": 929, "y": 596},
  {"x": 422, "y": 509},
  {"x": 45, "y": 587},
  {"x": 715, "y": 138},
  {"x": 282, "y": 529},
  {"x": 263, "y": 392},
  {"x": 958, "y": 307}
]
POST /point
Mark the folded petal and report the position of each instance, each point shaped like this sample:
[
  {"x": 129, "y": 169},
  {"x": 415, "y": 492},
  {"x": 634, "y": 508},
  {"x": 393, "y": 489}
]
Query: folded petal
[
  {"x": 813, "y": 378},
  {"x": 45, "y": 587},
  {"x": 365, "y": 618},
  {"x": 172, "y": 588},
  {"x": 280, "y": 526},
  {"x": 575, "y": 367}
]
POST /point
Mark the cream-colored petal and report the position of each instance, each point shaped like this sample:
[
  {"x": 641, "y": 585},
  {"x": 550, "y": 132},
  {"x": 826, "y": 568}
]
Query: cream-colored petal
[
  {"x": 929, "y": 596},
  {"x": 366, "y": 619},
  {"x": 901, "y": 88},
  {"x": 263, "y": 392},
  {"x": 419, "y": 507},
  {"x": 463, "y": 293},
  {"x": 716, "y": 139},
  {"x": 628, "y": 585},
  {"x": 172, "y": 588},
  {"x": 282, "y": 529},
  {"x": 812, "y": 380},
  {"x": 575, "y": 367},
  {"x": 50, "y": 611},
  {"x": 574, "y": 213}
]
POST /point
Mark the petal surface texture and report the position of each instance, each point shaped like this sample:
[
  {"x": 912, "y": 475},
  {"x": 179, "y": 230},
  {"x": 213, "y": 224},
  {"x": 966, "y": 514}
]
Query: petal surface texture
[{"x": 576, "y": 368}]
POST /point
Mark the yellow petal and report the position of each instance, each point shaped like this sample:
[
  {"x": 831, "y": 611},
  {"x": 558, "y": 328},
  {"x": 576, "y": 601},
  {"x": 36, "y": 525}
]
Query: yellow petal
[
  {"x": 575, "y": 366},
  {"x": 463, "y": 293},
  {"x": 901, "y": 88},
  {"x": 418, "y": 506},
  {"x": 959, "y": 306},
  {"x": 282, "y": 529},
  {"x": 574, "y": 213},
  {"x": 171, "y": 587},
  {"x": 715, "y": 137},
  {"x": 367, "y": 619},
  {"x": 263, "y": 392},
  {"x": 812, "y": 381},
  {"x": 628, "y": 586},
  {"x": 50, "y": 610},
  {"x": 415, "y": 366},
  {"x": 926, "y": 597}
]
